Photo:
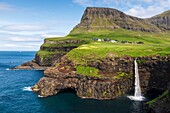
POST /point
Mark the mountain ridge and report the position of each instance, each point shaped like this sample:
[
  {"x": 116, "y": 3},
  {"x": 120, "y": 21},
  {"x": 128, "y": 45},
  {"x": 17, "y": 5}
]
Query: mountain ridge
[
  {"x": 162, "y": 20},
  {"x": 96, "y": 18}
]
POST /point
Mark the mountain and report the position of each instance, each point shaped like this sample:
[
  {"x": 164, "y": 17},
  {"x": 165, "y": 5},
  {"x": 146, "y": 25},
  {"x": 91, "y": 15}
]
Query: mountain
[
  {"x": 162, "y": 20},
  {"x": 106, "y": 18},
  {"x": 101, "y": 69}
]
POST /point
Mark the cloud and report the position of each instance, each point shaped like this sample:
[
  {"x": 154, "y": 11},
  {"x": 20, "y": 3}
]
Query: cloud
[
  {"x": 151, "y": 10},
  {"x": 26, "y": 36},
  {"x": 24, "y": 42},
  {"x": 5, "y": 7},
  {"x": 139, "y": 8},
  {"x": 21, "y": 47},
  {"x": 23, "y": 27},
  {"x": 87, "y": 3},
  {"x": 20, "y": 42},
  {"x": 84, "y": 2},
  {"x": 53, "y": 34},
  {"x": 142, "y": 12},
  {"x": 147, "y": 1}
]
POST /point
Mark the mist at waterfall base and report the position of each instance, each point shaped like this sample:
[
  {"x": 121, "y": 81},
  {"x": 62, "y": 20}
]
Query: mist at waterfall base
[
  {"x": 16, "y": 95},
  {"x": 137, "y": 95}
]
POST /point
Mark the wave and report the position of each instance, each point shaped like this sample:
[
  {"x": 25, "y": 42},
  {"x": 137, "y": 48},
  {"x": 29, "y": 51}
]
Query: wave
[
  {"x": 40, "y": 96},
  {"x": 27, "y": 89},
  {"x": 7, "y": 69}
]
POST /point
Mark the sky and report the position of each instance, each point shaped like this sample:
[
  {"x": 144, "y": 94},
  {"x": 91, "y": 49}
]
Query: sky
[{"x": 25, "y": 23}]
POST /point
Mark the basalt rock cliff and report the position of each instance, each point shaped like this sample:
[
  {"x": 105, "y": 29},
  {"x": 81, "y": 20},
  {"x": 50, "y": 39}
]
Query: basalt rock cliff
[
  {"x": 162, "y": 21},
  {"x": 107, "y": 18},
  {"x": 116, "y": 77},
  {"x": 55, "y": 50}
]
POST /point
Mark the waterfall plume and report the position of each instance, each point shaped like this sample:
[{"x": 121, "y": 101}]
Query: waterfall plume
[{"x": 137, "y": 95}]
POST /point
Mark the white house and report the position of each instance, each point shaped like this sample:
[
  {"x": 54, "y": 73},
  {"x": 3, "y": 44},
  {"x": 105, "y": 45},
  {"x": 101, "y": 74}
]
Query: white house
[
  {"x": 113, "y": 41},
  {"x": 99, "y": 40}
]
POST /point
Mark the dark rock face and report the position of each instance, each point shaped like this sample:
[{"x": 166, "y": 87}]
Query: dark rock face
[
  {"x": 86, "y": 87},
  {"x": 58, "y": 79},
  {"x": 107, "y": 18},
  {"x": 155, "y": 77},
  {"x": 154, "y": 74},
  {"x": 162, "y": 21},
  {"x": 161, "y": 106},
  {"x": 58, "y": 51}
]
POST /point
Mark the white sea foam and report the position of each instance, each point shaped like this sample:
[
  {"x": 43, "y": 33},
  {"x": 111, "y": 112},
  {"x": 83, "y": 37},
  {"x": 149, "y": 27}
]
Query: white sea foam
[
  {"x": 40, "y": 96},
  {"x": 136, "y": 98},
  {"x": 7, "y": 69},
  {"x": 27, "y": 89}
]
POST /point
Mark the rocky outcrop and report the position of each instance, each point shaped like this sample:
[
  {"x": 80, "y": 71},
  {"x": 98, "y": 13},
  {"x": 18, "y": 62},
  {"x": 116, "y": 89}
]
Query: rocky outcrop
[
  {"x": 161, "y": 104},
  {"x": 85, "y": 87},
  {"x": 110, "y": 19},
  {"x": 116, "y": 77},
  {"x": 162, "y": 20},
  {"x": 51, "y": 51},
  {"x": 154, "y": 73},
  {"x": 31, "y": 65},
  {"x": 64, "y": 77},
  {"x": 154, "y": 70}
]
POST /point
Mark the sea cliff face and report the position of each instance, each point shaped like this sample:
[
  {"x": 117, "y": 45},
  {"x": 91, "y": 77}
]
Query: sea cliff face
[
  {"x": 51, "y": 51},
  {"x": 116, "y": 77},
  {"x": 64, "y": 77}
]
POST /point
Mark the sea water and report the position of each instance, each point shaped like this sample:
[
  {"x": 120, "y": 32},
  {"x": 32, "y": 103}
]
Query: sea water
[{"x": 16, "y": 95}]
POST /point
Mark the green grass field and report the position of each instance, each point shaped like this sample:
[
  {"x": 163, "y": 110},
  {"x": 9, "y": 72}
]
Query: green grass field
[{"x": 154, "y": 44}]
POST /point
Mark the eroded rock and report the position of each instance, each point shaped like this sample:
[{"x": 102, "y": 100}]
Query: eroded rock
[{"x": 154, "y": 74}]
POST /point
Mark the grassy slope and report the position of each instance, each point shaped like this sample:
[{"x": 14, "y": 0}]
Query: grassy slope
[{"x": 154, "y": 44}]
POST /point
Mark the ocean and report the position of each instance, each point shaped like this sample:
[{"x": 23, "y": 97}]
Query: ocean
[{"x": 17, "y": 97}]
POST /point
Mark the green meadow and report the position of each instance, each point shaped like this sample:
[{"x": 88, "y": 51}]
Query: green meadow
[{"x": 154, "y": 44}]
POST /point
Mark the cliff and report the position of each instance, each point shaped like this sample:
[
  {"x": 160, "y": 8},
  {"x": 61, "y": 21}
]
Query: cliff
[
  {"x": 51, "y": 51},
  {"x": 160, "y": 104},
  {"x": 107, "y": 18},
  {"x": 162, "y": 20},
  {"x": 105, "y": 23},
  {"x": 115, "y": 77},
  {"x": 96, "y": 59}
]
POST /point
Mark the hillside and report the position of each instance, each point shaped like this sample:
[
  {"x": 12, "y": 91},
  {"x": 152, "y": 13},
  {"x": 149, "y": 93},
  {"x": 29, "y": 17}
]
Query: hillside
[
  {"x": 162, "y": 20},
  {"x": 106, "y": 23},
  {"x": 106, "y": 18}
]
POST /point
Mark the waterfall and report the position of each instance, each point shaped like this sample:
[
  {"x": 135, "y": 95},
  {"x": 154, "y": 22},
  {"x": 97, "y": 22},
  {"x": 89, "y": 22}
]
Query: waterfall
[
  {"x": 137, "y": 81},
  {"x": 137, "y": 95}
]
